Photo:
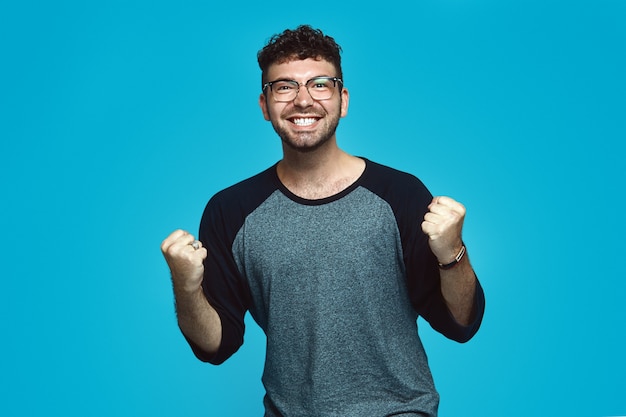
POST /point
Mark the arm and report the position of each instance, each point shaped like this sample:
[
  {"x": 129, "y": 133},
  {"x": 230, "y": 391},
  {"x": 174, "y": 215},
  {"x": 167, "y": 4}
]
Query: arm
[
  {"x": 197, "y": 319},
  {"x": 458, "y": 286},
  {"x": 443, "y": 225}
]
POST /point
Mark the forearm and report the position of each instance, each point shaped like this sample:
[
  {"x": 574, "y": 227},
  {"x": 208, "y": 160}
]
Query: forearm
[
  {"x": 198, "y": 320},
  {"x": 458, "y": 286}
]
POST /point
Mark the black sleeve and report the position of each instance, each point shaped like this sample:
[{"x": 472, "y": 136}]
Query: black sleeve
[
  {"x": 224, "y": 286},
  {"x": 409, "y": 199}
]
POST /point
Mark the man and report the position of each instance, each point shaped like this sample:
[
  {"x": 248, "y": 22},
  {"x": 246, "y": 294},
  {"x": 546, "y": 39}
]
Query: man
[{"x": 334, "y": 256}]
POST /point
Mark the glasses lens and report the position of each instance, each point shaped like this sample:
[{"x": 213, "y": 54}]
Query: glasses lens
[
  {"x": 284, "y": 90},
  {"x": 321, "y": 88}
]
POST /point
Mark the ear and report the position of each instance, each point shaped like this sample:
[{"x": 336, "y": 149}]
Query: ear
[
  {"x": 263, "y": 105},
  {"x": 345, "y": 100}
]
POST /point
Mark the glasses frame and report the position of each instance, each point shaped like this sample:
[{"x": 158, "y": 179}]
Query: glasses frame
[{"x": 269, "y": 84}]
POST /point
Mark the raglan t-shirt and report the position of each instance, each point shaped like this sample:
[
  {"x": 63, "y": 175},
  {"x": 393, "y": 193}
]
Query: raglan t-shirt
[{"x": 337, "y": 285}]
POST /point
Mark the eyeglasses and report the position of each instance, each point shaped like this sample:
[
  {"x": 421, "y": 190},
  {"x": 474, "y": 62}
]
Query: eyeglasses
[{"x": 319, "y": 88}]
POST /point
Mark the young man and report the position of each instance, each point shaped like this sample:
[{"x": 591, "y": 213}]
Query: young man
[{"x": 334, "y": 256}]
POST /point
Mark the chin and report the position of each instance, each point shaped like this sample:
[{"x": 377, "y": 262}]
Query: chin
[{"x": 305, "y": 146}]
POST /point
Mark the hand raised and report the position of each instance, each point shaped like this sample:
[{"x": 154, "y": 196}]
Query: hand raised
[
  {"x": 185, "y": 256},
  {"x": 443, "y": 224}
]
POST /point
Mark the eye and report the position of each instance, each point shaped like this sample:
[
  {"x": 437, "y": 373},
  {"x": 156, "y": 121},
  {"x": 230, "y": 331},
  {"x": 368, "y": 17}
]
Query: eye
[
  {"x": 283, "y": 86},
  {"x": 321, "y": 84}
]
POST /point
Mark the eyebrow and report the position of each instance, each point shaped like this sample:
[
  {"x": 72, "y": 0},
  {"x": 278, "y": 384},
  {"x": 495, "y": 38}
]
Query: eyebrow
[{"x": 309, "y": 79}]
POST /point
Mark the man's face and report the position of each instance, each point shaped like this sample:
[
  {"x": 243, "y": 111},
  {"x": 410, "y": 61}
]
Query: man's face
[{"x": 304, "y": 124}]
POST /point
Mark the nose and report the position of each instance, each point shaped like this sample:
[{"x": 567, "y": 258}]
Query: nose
[{"x": 303, "y": 98}]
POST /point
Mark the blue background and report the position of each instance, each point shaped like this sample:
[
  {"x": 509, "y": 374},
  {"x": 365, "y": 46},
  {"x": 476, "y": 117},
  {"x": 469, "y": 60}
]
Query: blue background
[{"x": 119, "y": 119}]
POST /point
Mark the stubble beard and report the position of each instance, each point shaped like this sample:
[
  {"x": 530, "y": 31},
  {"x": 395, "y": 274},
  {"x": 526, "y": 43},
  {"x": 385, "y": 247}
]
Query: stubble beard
[{"x": 308, "y": 141}]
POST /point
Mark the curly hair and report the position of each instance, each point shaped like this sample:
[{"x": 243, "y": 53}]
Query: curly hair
[{"x": 302, "y": 43}]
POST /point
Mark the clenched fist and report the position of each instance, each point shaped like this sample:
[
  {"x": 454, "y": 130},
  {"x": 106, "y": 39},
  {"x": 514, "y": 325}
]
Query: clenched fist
[
  {"x": 185, "y": 256},
  {"x": 443, "y": 224}
]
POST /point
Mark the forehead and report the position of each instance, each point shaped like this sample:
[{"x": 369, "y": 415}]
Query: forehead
[{"x": 301, "y": 69}]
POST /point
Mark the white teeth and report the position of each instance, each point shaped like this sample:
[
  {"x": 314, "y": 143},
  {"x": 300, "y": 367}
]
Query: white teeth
[{"x": 304, "y": 122}]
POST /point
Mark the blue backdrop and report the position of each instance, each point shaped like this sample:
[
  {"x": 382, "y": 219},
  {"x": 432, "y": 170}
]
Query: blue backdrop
[{"x": 119, "y": 119}]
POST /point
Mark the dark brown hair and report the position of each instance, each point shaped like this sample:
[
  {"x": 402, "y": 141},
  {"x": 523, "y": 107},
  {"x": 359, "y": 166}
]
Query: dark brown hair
[{"x": 301, "y": 43}]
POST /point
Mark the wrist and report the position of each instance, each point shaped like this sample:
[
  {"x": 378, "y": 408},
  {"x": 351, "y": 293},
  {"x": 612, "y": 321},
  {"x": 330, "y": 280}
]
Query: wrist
[
  {"x": 454, "y": 262},
  {"x": 187, "y": 288}
]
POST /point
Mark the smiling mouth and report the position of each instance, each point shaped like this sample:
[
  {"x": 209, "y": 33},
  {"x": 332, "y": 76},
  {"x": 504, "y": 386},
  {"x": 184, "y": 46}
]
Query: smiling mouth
[{"x": 304, "y": 121}]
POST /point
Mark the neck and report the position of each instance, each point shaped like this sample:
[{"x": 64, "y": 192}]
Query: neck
[{"x": 320, "y": 173}]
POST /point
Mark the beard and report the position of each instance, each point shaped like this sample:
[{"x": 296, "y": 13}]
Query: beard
[{"x": 308, "y": 141}]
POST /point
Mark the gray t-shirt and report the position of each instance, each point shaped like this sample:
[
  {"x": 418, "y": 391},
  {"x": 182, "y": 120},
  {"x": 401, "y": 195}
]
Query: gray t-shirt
[{"x": 337, "y": 285}]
